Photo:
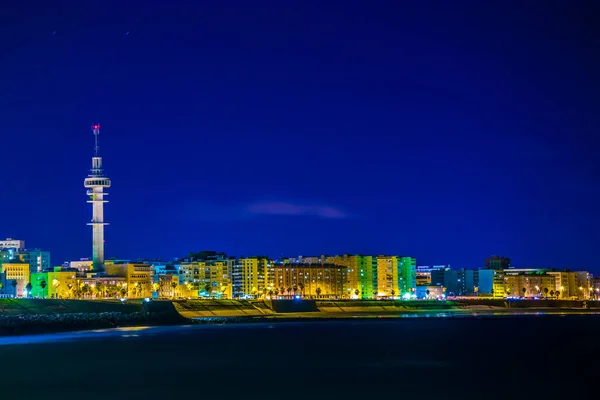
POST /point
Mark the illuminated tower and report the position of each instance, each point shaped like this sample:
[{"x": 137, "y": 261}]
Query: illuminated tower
[{"x": 95, "y": 184}]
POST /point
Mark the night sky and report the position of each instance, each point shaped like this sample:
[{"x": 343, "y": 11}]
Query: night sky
[{"x": 446, "y": 130}]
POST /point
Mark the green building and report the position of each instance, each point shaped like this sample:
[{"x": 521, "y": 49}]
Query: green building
[
  {"x": 367, "y": 267},
  {"x": 39, "y": 284},
  {"x": 407, "y": 277}
]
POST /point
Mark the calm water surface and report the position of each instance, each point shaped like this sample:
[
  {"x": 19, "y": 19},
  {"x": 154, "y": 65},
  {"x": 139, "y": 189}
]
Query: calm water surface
[{"x": 420, "y": 358}]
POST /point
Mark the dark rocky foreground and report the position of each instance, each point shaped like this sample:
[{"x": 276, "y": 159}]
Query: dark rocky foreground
[{"x": 32, "y": 324}]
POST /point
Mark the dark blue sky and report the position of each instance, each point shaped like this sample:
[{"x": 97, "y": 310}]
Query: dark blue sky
[{"x": 445, "y": 130}]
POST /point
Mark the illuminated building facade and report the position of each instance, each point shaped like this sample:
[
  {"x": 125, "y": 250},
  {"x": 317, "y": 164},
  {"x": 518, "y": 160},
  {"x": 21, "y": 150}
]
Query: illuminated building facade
[
  {"x": 387, "y": 276},
  {"x": 17, "y": 272},
  {"x": 138, "y": 279},
  {"x": 408, "y": 275},
  {"x": 168, "y": 285},
  {"x": 83, "y": 265},
  {"x": 423, "y": 275},
  {"x": 309, "y": 280},
  {"x": 530, "y": 285},
  {"x": 37, "y": 259},
  {"x": 369, "y": 276},
  {"x": 430, "y": 292},
  {"x": 11, "y": 243},
  {"x": 250, "y": 276},
  {"x": 217, "y": 281},
  {"x": 491, "y": 283},
  {"x": 190, "y": 273},
  {"x": 207, "y": 278},
  {"x": 360, "y": 271},
  {"x": 396, "y": 276}
]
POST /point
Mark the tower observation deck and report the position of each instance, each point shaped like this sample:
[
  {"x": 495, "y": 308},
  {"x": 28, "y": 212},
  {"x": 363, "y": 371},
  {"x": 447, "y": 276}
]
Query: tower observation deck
[{"x": 95, "y": 184}]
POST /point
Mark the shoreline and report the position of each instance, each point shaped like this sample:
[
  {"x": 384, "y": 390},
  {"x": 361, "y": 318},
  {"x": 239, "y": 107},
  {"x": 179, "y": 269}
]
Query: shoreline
[{"x": 62, "y": 323}]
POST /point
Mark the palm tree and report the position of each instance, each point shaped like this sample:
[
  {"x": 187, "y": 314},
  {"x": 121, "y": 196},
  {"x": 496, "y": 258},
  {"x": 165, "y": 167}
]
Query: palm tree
[
  {"x": 28, "y": 288},
  {"x": 208, "y": 287},
  {"x": 301, "y": 286},
  {"x": 112, "y": 290},
  {"x": 295, "y": 289},
  {"x": 100, "y": 289},
  {"x": 289, "y": 290},
  {"x": 393, "y": 292},
  {"x": 123, "y": 291},
  {"x": 318, "y": 291},
  {"x": 55, "y": 285},
  {"x": 552, "y": 293},
  {"x": 558, "y": 294},
  {"x": 524, "y": 290},
  {"x": 282, "y": 290},
  {"x": 546, "y": 292},
  {"x": 14, "y": 283},
  {"x": 173, "y": 286},
  {"x": 427, "y": 292},
  {"x": 43, "y": 286},
  {"x": 356, "y": 292},
  {"x": 276, "y": 291}
]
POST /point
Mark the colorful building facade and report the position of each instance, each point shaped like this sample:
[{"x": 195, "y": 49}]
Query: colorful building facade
[
  {"x": 18, "y": 275},
  {"x": 250, "y": 276},
  {"x": 309, "y": 280}
]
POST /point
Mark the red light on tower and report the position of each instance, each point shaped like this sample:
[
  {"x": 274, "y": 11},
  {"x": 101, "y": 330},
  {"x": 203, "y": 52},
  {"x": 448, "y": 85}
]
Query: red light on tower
[{"x": 96, "y": 127}]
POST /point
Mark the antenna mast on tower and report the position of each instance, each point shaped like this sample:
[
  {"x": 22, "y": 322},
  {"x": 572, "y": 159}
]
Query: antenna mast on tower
[{"x": 96, "y": 130}]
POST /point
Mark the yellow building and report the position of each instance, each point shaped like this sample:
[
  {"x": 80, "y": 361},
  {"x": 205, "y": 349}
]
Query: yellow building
[
  {"x": 572, "y": 285},
  {"x": 359, "y": 271},
  {"x": 498, "y": 284},
  {"x": 310, "y": 280},
  {"x": 252, "y": 275},
  {"x": 423, "y": 278},
  {"x": 17, "y": 272},
  {"x": 191, "y": 275},
  {"x": 530, "y": 285},
  {"x": 209, "y": 278},
  {"x": 102, "y": 287},
  {"x": 138, "y": 280},
  {"x": 168, "y": 286},
  {"x": 217, "y": 279},
  {"x": 61, "y": 284},
  {"x": 387, "y": 276}
]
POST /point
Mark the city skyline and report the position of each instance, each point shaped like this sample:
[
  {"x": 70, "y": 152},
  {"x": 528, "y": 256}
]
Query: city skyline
[{"x": 364, "y": 132}]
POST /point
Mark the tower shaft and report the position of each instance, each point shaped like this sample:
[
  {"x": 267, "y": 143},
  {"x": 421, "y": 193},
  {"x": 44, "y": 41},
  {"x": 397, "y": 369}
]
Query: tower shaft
[
  {"x": 96, "y": 182},
  {"x": 98, "y": 227}
]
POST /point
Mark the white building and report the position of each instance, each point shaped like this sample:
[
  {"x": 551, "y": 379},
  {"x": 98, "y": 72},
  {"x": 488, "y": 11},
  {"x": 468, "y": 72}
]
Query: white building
[
  {"x": 11, "y": 243},
  {"x": 82, "y": 265}
]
